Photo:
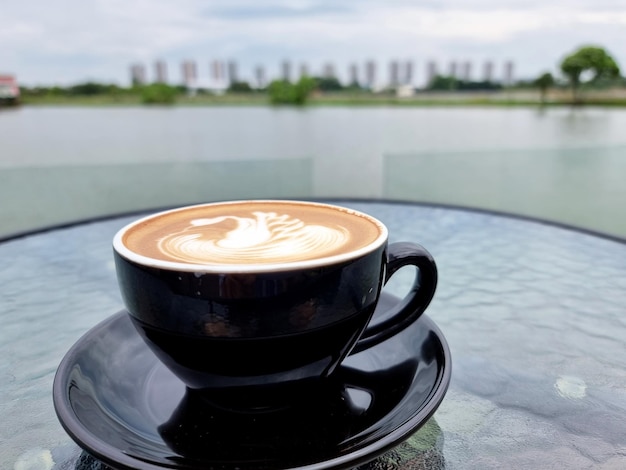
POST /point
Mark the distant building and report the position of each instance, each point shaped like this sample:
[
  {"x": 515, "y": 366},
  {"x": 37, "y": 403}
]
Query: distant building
[
  {"x": 285, "y": 71},
  {"x": 408, "y": 73},
  {"x": 431, "y": 72},
  {"x": 405, "y": 91},
  {"x": 488, "y": 71},
  {"x": 466, "y": 71},
  {"x": 452, "y": 70},
  {"x": 304, "y": 70},
  {"x": 394, "y": 73},
  {"x": 508, "y": 73},
  {"x": 217, "y": 80},
  {"x": 218, "y": 73},
  {"x": 9, "y": 90},
  {"x": 190, "y": 73},
  {"x": 370, "y": 74},
  {"x": 138, "y": 74},
  {"x": 160, "y": 72},
  {"x": 232, "y": 72},
  {"x": 353, "y": 74},
  {"x": 329, "y": 71},
  {"x": 259, "y": 74}
]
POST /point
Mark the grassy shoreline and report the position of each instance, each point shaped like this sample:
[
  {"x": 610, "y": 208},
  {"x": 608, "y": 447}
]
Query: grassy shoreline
[{"x": 516, "y": 98}]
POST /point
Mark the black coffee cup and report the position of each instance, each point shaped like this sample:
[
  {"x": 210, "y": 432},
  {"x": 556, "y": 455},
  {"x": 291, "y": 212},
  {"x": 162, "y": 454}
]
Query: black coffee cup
[{"x": 264, "y": 294}]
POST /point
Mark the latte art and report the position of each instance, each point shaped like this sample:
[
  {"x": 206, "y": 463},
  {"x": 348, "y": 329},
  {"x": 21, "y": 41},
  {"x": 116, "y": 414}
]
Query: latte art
[
  {"x": 265, "y": 235},
  {"x": 249, "y": 236}
]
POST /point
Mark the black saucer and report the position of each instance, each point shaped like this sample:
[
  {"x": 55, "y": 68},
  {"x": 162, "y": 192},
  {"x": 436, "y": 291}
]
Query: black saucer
[{"x": 119, "y": 403}]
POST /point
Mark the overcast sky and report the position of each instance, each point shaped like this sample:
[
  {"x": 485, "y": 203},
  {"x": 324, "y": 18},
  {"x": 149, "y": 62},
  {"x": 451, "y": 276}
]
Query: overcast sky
[{"x": 69, "y": 41}]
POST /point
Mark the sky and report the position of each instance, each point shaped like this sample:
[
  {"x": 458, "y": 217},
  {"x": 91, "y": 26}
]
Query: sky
[{"x": 70, "y": 41}]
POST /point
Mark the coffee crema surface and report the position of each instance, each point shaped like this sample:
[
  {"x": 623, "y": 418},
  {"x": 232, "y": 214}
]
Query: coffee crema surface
[{"x": 252, "y": 232}]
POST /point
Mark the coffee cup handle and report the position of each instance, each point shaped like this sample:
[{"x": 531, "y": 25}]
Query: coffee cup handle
[{"x": 411, "y": 307}]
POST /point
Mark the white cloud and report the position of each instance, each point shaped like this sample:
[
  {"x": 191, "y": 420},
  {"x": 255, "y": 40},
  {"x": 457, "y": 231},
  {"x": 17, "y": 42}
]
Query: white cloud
[{"x": 68, "y": 40}]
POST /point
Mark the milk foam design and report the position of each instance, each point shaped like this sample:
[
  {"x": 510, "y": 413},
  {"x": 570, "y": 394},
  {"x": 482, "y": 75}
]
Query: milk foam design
[{"x": 266, "y": 235}]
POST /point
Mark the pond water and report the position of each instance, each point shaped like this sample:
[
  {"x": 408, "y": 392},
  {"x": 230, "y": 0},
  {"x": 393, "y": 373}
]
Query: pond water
[{"x": 61, "y": 164}]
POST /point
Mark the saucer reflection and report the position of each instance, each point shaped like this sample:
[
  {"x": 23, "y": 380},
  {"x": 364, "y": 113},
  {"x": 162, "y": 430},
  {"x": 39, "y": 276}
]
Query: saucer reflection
[
  {"x": 318, "y": 426},
  {"x": 422, "y": 451}
]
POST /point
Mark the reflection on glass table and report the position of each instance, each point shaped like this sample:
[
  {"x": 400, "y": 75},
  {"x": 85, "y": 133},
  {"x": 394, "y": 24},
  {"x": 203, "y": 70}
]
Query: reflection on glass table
[{"x": 532, "y": 313}]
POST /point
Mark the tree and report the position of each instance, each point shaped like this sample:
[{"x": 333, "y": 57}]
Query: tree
[
  {"x": 304, "y": 87},
  {"x": 158, "y": 93},
  {"x": 589, "y": 59},
  {"x": 328, "y": 84},
  {"x": 240, "y": 87},
  {"x": 443, "y": 83},
  {"x": 543, "y": 82},
  {"x": 283, "y": 92},
  {"x": 450, "y": 83}
]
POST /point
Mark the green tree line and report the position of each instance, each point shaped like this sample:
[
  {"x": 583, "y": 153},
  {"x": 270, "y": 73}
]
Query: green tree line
[
  {"x": 156, "y": 93},
  {"x": 587, "y": 67}
]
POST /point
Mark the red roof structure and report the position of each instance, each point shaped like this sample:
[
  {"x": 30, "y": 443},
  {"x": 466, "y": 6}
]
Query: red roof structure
[{"x": 9, "y": 87}]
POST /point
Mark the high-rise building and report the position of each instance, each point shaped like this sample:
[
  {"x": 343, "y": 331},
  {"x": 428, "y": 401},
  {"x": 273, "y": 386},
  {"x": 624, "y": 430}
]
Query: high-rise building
[
  {"x": 160, "y": 71},
  {"x": 394, "y": 73},
  {"x": 328, "y": 71},
  {"x": 452, "y": 70},
  {"x": 466, "y": 71},
  {"x": 370, "y": 74},
  {"x": 217, "y": 71},
  {"x": 259, "y": 74},
  {"x": 137, "y": 74},
  {"x": 353, "y": 75},
  {"x": 304, "y": 70},
  {"x": 431, "y": 72},
  {"x": 232, "y": 72},
  {"x": 190, "y": 73},
  {"x": 508, "y": 73},
  {"x": 488, "y": 71},
  {"x": 285, "y": 71},
  {"x": 408, "y": 73}
]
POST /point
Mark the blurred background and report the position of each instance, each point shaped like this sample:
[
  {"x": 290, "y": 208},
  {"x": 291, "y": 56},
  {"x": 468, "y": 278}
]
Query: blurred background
[{"x": 111, "y": 106}]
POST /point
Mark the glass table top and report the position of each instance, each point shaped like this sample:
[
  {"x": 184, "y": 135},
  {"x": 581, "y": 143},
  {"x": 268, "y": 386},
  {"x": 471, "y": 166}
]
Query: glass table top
[{"x": 532, "y": 312}]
